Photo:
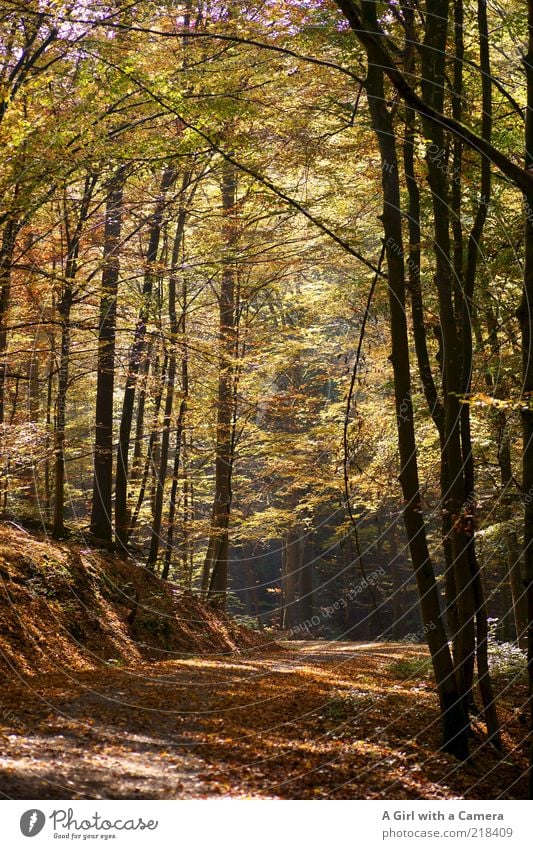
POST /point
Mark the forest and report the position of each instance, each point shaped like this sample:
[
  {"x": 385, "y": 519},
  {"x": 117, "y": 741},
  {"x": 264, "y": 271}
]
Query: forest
[{"x": 266, "y": 382}]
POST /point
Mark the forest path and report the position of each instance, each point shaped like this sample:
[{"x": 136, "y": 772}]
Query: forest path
[{"x": 313, "y": 720}]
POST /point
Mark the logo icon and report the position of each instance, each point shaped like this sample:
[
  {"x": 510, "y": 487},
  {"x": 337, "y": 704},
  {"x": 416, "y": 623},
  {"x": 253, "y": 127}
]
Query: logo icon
[{"x": 32, "y": 822}]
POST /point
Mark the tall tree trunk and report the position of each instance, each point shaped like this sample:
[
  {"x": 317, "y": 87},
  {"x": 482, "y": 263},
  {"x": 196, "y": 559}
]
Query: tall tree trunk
[
  {"x": 476, "y": 234},
  {"x": 64, "y": 309},
  {"x": 306, "y": 579},
  {"x": 180, "y": 445},
  {"x": 137, "y": 464},
  {"x": 291, "y": 567},
  {"x": 171, "y": 378},
  {"x": 29, "y": 473},
  {"x": 398, "y": 628},
  {"x": 49, "y": 402},
  {"x": 101, "y": 512},
  {"x": 6, "y": 258},
  {"x": 135, "y": 359},
  {"x": 434, "y": 403},
  {"x": 216, "y": 561},
  {"x": 455, "y": 727},
  {"x": 516, "y": 583},
  {"x": 251, "y": 588},
  {"x": 151, "y": 449},
  {"x": 189, "y": 512},
  {"x": 509, "y": 501},
  {"x": 526, "y": 322},
  {"x": 457, "y": 96},
  {"x": 433, "y": 87}
]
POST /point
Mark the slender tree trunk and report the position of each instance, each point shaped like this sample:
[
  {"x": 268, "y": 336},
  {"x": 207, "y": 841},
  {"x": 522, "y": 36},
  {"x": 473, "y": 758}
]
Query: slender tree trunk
[
  {"x": 433, "y": 87},
  {"x": 49, "y": 397},
  {"x": 251, "y": 588},
  {"x": 6, "y": 258},
  {"x": 509, "y": 502},
  {"x": 175, "y": 473},
  {"x": 526, "y": 321},
  {"x": 306, "y": 581},
  {"x": 101, "y": 513},
  {"x": 457, "y": 96},
  {"x": 434, "y": 403},
  {"x": 292, "y": 560},
  {"x": 189, "y": 512},
  {"x": 216, "y": 562},
  {"x": 137, "y": 464},
  {"x": 58, "y": 526},
  {"x": 516, "y": 583},
  {"x": 476, "y": 234},
  {"x": 151, "y": 449},
  {"x": 169, "y": 401},
  {"x": 135, "y": 359},
  {"x": 34, "y": 403},
  {"x": 397, "y": 586},
  {"x": 64, "y": 310}
]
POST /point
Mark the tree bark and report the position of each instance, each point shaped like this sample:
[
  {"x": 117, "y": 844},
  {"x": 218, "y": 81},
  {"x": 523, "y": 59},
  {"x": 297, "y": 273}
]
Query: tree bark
[
  {"x": 64, "y": 309},
  {"x": 6, "y": 259},
  {"x": 101, "y": 512},
  {"x": 526, "y": 321},
  {"x": 171, "y": 378},
  {"x": 292, "y": 561},
  {"x": 455, "y": 726},
  {"x": 151, "y": 449},
  {"x": 306, "y": 580},
  {"x": 216, "y": 562},
  {"x": 433, "y": 86},
  {"x": 179, "y": 450},
  {"x": 434, "y": 403},
  {"x": 467, "y": 302},
  {"x": 135, "y": 359}
]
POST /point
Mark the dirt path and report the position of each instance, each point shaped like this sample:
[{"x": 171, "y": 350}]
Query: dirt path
[{"x": 315, "y": 720}]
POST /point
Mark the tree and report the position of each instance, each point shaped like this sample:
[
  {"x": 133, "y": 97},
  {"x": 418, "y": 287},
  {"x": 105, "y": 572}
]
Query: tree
[
  {"x": 101, "y": 516},
  {"x": 452, "y": 706},
  {"x": 216, "y": 560},
  {"x": 135, "y": 358},
  {"x": 74, "y": 227}
]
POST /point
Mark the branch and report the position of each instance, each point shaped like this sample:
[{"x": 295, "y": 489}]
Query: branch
[
  {"x": 351, "y": 391},
  {"x": 380, "y": 56},
  {"x": 260, "y": 178},
  {"x": 234, "y": 39}
]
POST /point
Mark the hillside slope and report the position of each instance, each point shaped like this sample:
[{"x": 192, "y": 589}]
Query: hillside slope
[{"x": 65, "y": 604}]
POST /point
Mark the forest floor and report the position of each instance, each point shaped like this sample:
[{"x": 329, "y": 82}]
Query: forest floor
[
  {"x": 313, "y": 720},
  {"x": 116, "y": 684}
]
